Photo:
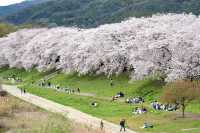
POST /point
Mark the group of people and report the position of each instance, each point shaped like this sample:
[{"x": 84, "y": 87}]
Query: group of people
[
  {"x": 118, "y": 95},
  {"x": 13, "y": 79},
  {"x": 23, "y": 91},
  {"x": 122, "y": 124},
  {"x": 135, "y": 100},
  {"x": 165, "y": 107},
  {"x": 138, "y": 110},
  {"x": 58, "y": 88}
]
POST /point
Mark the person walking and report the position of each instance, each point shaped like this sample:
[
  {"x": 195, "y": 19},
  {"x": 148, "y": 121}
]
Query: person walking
[
  {"x": 101, "y": 125},
  {"x": 122, "y": 125},
  {"x": 78, "y": 90}
]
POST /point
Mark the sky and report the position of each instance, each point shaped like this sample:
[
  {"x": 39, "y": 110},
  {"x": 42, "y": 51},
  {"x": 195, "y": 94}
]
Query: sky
[{"x": 8, "y": 2}]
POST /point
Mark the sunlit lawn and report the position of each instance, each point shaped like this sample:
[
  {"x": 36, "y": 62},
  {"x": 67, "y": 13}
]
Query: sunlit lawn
[{"x": 167, "y": 122}]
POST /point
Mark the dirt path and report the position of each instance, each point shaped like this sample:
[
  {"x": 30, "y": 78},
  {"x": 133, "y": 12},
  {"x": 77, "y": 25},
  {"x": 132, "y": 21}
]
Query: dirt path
[
  {"x": 189, "y": 115},
  {"x": 85, "y": 94},
  {"x": 66, "y": 111}
]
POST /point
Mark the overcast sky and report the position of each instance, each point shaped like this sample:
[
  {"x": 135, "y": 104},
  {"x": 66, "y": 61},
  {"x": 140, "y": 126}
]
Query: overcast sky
[{"x": 8, "y": 2}]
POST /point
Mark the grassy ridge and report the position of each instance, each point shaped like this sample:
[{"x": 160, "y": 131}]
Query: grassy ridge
[{"x": 100, "y": 85}]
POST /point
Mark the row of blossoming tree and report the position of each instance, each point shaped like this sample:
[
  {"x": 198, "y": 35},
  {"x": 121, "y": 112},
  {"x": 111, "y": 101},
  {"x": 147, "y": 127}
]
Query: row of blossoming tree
[{"x": 165, "y": 45}]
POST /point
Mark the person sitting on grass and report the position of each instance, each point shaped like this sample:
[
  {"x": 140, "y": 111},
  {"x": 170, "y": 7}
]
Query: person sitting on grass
[
  {"x": 164, "y": 107},
  {"x": 57, "y": 87},
  {"x": 155, "y": 105},
  {"x": 119, "y": 94},
  {"x": 171, "y": 107},
  {"x": 66, "y": 90},
  {"x": 147, "y": 125},
  {"x": 137, "y": 110},
  {"x": 135, "y": 100},
  {"x": 114, "y": 98},
  {"x": 94, "y": 104},
  {"x": 143, "y": 110}
]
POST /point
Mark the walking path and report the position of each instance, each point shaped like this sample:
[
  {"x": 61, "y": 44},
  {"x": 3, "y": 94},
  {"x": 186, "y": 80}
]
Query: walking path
[
  {"x": 49, "y": 76},
  {"x": 66, "y": 111}
]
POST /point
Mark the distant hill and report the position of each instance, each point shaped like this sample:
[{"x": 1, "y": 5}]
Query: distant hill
[
  {"x": 7, "y": 10},
  {"x": 91, "y": 13}
]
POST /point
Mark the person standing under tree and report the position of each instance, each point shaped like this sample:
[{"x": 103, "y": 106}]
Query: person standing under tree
[
  {"x": 111, "y": 82},
  {"x": 122, "y": 125}
]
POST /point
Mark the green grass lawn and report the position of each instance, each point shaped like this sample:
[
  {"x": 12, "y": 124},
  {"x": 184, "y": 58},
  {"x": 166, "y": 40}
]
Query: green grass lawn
[
  {"x": 100, "y": 85},
  {"x": 26, "y": 76},
  {"x": 194, "y": 107},
  {"x": 112, "y": 111}
]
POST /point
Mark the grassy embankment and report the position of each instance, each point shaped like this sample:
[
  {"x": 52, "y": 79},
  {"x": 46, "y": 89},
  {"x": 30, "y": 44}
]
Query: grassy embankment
[
  {"x": 20, "y": 117},
  {"x": 112, "y": 111}
]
